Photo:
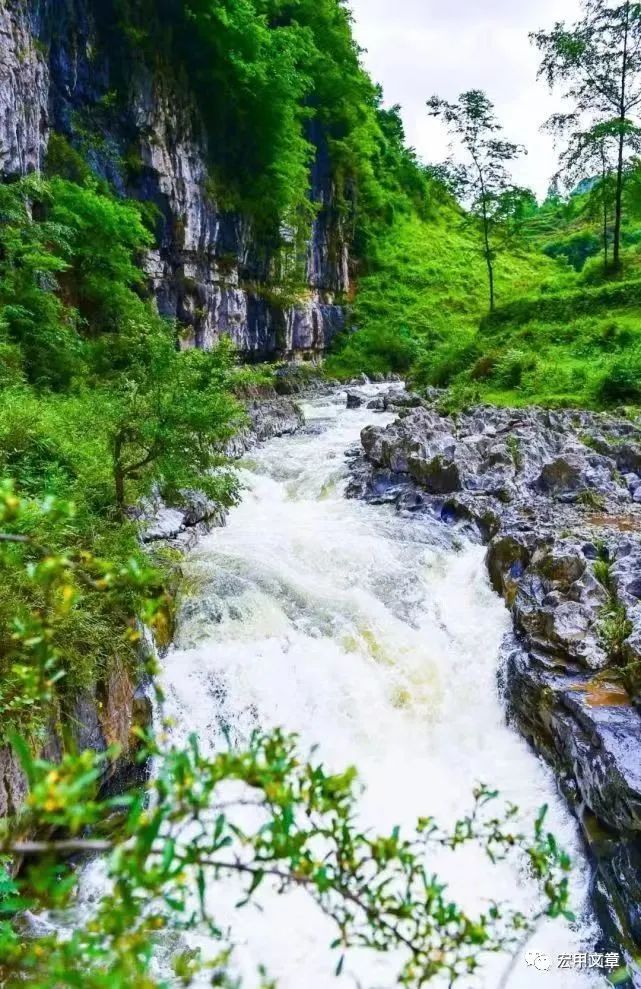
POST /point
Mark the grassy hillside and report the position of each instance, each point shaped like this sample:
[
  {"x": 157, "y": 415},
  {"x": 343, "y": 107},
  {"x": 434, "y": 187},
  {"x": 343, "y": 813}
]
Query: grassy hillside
[
  {"x": 569, "y": 349},
  {"x": 563, "y": 334},
  {"x": 424, "y": 294}
]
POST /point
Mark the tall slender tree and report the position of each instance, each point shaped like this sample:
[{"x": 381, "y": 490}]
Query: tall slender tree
[
  {"x": 482, "y": 180},
  {"x": 596, "y": 62},
  {"x": 592, "y": 154}
]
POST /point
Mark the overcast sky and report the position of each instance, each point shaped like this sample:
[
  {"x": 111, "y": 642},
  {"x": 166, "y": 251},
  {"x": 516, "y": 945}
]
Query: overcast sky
[{"x": 419, "y": 47}]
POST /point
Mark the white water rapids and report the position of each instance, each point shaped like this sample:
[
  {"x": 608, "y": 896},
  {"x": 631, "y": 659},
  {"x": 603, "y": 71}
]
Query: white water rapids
[{"x": 376, "y": 637}]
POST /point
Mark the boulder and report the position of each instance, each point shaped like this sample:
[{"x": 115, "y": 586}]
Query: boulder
[
  {"x": 376, "y": 404},
  {"x": 402, "y": 400},
  {"x": 628, "y": 457},
  {"x": 560, "y": 565},
  {"x": 354, "y": 400},
  {"x": 559, "y": 476},
  {"x": 437, "y": 475},
  {"x": 506, "y": 559}
]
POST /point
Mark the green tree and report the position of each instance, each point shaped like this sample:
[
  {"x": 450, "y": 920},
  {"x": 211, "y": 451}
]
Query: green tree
[
  {"x": 589, "y": 153},
  {"x": 169, "y": 418},
  {"x": 596, "y": 62},
  {"x": 482, "y": 181}
]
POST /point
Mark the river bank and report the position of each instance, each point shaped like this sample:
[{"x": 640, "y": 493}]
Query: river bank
[{"x": 554, "y": 497}]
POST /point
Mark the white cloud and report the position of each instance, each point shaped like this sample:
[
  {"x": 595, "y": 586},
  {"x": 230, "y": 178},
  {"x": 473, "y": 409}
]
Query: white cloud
[{"x": 415, "y": 48}]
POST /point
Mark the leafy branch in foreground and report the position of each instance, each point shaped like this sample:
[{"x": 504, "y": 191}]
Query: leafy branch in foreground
[
  {"x": 57, "y": 583},
  {"x": 190, "y": 831},
  {"x": 263, "y": 814}
]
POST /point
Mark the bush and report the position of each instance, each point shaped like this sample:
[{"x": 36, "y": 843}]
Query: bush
[
  {"x": 511, "y": 367},
  {"x": 575, "y": 249},
  {"x": 484, "y": 367},
  {"x": 620, "y": 383},
  {"x": 372, "y": 351},
  {"x": 441, "y": 366}
]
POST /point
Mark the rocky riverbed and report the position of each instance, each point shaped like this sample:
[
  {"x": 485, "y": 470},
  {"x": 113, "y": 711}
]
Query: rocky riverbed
[{"x": 556, "y": 496}]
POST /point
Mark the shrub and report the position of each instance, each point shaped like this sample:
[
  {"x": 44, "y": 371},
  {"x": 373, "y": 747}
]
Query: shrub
[
  {"x": 575, "y": 249},
  {"x": 441, "y": 366},
  {"x": 511, "y": 367},
  {"x": 484, "y": 367},
  {"x": 373, "y": 351},
  {"x": 621, "y": 381}
]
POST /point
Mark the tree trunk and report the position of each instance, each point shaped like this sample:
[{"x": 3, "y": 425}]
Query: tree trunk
[
  {"x": 618, "y": 198},
  {"x": 487, "y": 251},
  {"x": 119, "y": 476},
  {"x": 604, "y": 206},
  {"x": 618, "y": 201},
  {"x": 490, "y": 276}
]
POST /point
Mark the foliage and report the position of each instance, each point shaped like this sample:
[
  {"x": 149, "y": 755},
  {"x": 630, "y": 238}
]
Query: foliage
[
  {"x": 171, "y": 851},
  {"x": 287, "y": 86},
  {"x": 70, "y": 281},
  {"x": 482, "y": 181},
  {"x": 573, "y": 349},
  {"x": 169, "y": 420},
  {"x": 575, "y": 248},
  {"x": 38, "y": 647},
  {"x": 423, "y": 295},
  {"x": 384, "y": 351},
  {"x": 620, "y": 383},
  {"x": 597, "y": 62},
  {"x": 98, "y": 407},
  {"x": 38, "y": 335}
]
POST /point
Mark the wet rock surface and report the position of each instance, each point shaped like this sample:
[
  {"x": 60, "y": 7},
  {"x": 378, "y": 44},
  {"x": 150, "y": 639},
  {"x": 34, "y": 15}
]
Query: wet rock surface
[{"x": 553, "y": 495}]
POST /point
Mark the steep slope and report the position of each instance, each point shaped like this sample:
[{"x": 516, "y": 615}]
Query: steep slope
[
  {"x": 70, "y": 69},
  {"x": 424, "y": 293}
]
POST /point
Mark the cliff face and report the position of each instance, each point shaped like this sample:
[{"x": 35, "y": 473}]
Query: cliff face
[{"x": 61, "y": 61}]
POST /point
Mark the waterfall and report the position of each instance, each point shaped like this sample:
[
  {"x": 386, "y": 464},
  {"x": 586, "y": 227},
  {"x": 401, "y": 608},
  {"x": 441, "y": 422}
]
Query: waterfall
[{"x": 376, "y": 637}]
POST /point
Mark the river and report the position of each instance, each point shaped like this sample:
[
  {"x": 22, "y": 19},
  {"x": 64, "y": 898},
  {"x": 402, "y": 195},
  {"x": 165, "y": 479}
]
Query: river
[{"x": 377, "y": 638}]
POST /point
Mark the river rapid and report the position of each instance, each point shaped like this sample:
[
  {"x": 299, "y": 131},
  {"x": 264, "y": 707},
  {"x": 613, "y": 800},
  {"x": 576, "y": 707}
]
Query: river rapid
[{"x": 376, "y": 637}]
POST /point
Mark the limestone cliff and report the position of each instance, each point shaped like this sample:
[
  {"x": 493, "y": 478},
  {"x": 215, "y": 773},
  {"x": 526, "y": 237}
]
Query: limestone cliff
[{"x": 60, "y": 63}]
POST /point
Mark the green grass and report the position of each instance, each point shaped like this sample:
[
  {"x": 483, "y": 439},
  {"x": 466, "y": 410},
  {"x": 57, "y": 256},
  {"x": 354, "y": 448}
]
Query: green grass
[
  {"x": 586, "y": 361},
  {"x": 424, "y": 294},
  {"x": 558, "y": 337}
]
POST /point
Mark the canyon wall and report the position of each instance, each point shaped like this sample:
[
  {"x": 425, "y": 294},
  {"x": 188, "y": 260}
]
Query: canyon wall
[{"x": 61, "y": 62}]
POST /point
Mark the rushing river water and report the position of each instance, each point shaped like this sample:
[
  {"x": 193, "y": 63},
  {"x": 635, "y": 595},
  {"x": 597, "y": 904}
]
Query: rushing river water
[{"x": 376, "y": 637}]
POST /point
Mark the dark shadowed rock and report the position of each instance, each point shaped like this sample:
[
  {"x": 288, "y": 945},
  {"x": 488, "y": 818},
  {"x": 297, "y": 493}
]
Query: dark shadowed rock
[
  {"x": 506, "y": 560},
  {"x": 354, "y": 400},
  {"x": 560, "y": 476},
  {"x": 437, "y": 476},
  {"x": 628, "y": 457},
  {"x": 13, "y": 782}
]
